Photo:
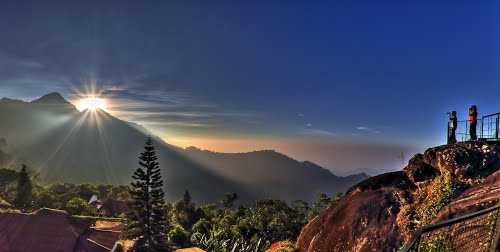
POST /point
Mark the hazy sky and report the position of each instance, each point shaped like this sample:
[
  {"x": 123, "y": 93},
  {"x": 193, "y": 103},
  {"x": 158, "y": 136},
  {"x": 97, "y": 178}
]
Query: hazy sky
[{"x": 347, "y": 84}]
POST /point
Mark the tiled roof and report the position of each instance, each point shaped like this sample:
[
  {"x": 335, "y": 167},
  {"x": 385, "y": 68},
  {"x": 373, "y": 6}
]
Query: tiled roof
[{"x": 49, "y": 230}]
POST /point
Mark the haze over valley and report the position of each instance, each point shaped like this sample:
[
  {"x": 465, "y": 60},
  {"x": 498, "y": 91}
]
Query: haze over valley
[{"x": 92, "y": 146}]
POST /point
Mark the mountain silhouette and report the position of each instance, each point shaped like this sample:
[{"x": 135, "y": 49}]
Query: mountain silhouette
[
  {"x": 52, "y": 98},
  {"x": 65, "y": 145}
]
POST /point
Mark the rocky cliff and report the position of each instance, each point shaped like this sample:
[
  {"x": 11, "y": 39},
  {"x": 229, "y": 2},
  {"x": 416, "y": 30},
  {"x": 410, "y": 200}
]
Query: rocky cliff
[{"x": 381, "y": 213}]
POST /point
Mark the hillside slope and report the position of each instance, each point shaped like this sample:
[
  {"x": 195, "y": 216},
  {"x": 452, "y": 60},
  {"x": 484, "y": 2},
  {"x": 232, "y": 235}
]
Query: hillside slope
[
  {"x": 382, "y": 212},
  {"x": 66, "y": 145}
]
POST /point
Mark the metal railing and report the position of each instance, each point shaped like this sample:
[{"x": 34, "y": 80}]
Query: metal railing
[
  {"x": 463, "y": 133},
  {"x": 488, "y": 128},
  {"x": 478, "y": 231}
]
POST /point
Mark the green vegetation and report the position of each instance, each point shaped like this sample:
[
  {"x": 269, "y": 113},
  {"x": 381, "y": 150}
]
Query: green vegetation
[
  {"x": 226, "y": 227},
  {"x": 154, "y": 225},
  {"x": 428, "y": 201},
  {"x": 437, "y": 243},
  {"x": 24, "y": 190},
  {"x": 65, "y": 196},
  {"x": 78, "y": 205},
  {"x": 218, "y": 227},
  {"x": 433, "y": 200}
]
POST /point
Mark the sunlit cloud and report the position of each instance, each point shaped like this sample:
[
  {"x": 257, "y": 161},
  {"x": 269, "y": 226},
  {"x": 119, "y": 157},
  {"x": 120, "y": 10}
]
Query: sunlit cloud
[
  {"x": 319, "y": 132},
  {"x": 368, "y": 130}
]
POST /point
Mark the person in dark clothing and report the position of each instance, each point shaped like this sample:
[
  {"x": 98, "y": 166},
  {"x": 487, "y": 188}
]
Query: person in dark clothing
[
  {"x": 452, "y": 127},
  {"x": 473, "y": 122}
]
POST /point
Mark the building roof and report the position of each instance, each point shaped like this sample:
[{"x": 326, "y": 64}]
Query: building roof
[{"x": 49, "y": 230}]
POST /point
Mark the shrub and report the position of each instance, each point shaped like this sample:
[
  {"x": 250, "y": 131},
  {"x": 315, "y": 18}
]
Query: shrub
[
  {"x": 202, "y": 226},
  {"x": 78, "y": 206},
  {"x": 178, "y": 235},
  {"x": 438, "y": 195},
  {"x": 439, "y": 243}
]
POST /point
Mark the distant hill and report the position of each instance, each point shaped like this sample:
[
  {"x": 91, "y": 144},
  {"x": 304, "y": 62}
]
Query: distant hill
[{"x": 66, "y": 145}]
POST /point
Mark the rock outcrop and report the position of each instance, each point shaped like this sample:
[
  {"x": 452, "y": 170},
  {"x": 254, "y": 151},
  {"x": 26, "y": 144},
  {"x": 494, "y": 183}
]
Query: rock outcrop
[
  {"x": 281, "y": 246},
  {"x": 373, "y": 215},
  {"x": 190, "y": 250},
  {"x": 418, "y": 170}
]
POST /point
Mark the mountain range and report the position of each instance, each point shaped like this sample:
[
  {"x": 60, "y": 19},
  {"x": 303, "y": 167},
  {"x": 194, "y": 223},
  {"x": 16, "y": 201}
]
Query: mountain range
[{"x": 63, "y": 144}]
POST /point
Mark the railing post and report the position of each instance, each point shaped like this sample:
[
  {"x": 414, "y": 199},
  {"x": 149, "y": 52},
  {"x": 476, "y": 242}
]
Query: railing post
[
  {"x": 496, "y": 132},
  {"x": 482, "y": 127},
  {"x": 448, "y": 134},
  {"x": 495, "y": 234},
  {"x": 418, "y": 244},
  {"x": 466, "y": 131}
]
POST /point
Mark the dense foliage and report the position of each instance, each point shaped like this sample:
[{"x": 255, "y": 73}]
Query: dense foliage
[
  {"x": 221, "y": 227},
  {"x": 24, "y": 190},
  {"x": 226, "y": 227},
  {"x": 427, "y": 202},
  {"x": 70, "y": 197}
]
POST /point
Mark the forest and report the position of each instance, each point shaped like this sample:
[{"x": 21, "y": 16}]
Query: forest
[{"x": 226, "y": 225}]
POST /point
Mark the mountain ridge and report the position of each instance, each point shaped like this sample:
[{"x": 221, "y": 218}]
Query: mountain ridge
[
  {"x": 51, "y": 98},
  {"x": 66, "y": 145}
]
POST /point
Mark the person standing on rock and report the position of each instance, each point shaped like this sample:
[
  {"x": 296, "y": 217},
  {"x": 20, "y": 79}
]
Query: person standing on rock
[
  {"x": 473, "y": 122},
  {"x": 452, "y": 127}
]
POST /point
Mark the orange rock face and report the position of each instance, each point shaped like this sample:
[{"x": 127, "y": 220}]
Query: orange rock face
[
  {"x": 281, "y": 246},
  {"x": 366, "y": 219}
]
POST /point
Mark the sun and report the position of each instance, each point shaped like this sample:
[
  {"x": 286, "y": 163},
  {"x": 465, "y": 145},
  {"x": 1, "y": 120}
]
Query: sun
[{"x": 91, "y": 103}]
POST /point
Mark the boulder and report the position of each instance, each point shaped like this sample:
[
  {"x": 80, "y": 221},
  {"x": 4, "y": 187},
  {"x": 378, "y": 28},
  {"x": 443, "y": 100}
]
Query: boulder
[
  {"x": 190, "y": 250},
  {"x": 364, "y": 220},
  {"x": 396, "y": 179},
  {"x": 464, "y": 161},
  {"x": 459, "y": 161},
  {"x": 431, "y": 154},
  {"x": 418, "y": 170},
  {"x": 281, "y": 246}
]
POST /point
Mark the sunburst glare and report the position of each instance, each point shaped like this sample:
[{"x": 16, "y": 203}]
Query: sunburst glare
[{"x": 91, "y": 103}]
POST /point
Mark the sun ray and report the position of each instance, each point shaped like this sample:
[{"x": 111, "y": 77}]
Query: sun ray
[
  {"x": 98, "y": 116},
  {"x": 72, "y": 131}
]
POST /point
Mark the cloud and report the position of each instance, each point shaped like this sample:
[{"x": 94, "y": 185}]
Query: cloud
[
  {"x": 368, "y": 130},
  {"x": 319, "y": 132},
  {"x": 168, "y": 112}
]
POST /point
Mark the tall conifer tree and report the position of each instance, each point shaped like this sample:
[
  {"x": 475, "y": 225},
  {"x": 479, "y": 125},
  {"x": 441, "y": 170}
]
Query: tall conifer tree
[
  {"x": 147, "y": 222},
  {"x": 24, "y": 189}
]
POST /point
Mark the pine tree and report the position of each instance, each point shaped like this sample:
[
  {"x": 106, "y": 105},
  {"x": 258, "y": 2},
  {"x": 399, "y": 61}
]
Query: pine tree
[
  {"x": 186, "y": 199},
  {"x": 229, "y": 199},
  {"x": 185, "y": 211},
  {"x": 147, "y": 222},
  {"x": 24, "y": 192}
]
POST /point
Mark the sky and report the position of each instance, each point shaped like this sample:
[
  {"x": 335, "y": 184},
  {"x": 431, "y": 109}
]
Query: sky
[{"x": 350, "y": 85}]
